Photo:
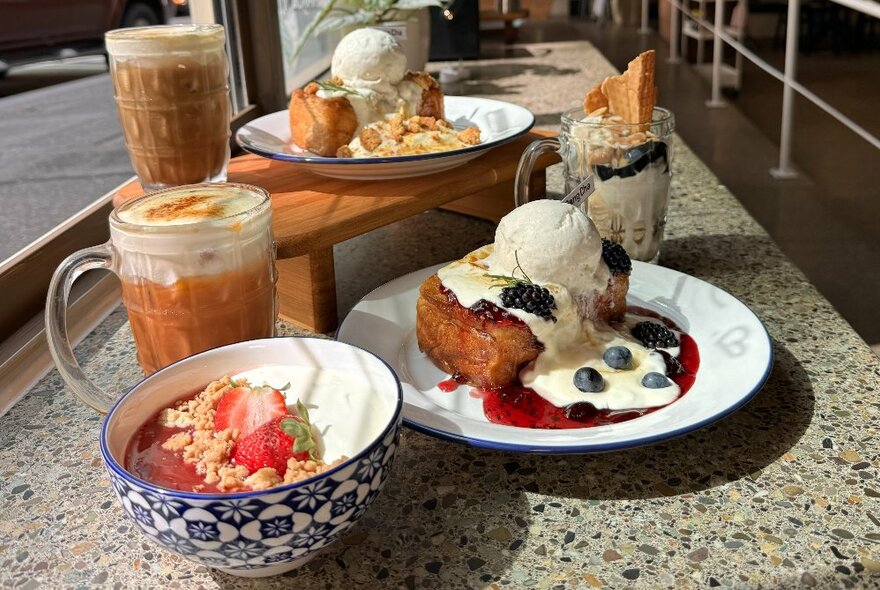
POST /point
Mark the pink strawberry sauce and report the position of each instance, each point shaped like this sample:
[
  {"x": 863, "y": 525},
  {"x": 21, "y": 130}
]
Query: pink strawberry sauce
[
  {"x": 146, "y": 459},
  {"x": 449, "y": 385}
]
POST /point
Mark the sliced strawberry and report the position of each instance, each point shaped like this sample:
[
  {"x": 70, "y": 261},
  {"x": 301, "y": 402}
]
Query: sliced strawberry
[
  {"x": 247, "y": 409},
  {"x": 270, "y": 446}
]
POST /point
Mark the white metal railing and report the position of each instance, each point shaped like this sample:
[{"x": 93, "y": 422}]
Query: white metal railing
[{"x": 787, "y": 77}]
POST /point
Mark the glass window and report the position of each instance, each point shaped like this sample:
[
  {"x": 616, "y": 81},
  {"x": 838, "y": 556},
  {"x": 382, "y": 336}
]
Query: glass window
[
  {"x": 294, "y": 17},
  {"x": 224, "y": 13},
  {"x": 25, "y": 276}
]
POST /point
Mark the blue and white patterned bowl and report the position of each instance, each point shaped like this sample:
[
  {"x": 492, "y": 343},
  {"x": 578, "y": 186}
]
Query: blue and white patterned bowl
[{"x": 267, "y": 532}]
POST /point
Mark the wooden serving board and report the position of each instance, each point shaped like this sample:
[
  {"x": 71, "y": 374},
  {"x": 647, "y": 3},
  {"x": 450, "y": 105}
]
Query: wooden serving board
[{"x": 312, "y": 213}]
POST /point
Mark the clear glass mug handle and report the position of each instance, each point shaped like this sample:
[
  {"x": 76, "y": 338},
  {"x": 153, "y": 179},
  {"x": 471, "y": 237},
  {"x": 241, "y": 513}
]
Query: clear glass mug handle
[
  {"x": 56, "y": 323},
  {"x": 526, "y": 163}
]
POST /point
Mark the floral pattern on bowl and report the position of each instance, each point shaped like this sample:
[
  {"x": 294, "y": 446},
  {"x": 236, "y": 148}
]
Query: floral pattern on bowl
[{"x": 289, "y": 525}]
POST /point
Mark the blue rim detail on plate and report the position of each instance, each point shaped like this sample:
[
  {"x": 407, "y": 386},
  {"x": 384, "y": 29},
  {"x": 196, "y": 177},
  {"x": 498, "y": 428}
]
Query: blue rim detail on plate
[
  {"x": 601, "y": 447},
  {"x": 314, "y": 159},
  {"x": 388, "y": 160},
  {"x": 597, "y": 448}
]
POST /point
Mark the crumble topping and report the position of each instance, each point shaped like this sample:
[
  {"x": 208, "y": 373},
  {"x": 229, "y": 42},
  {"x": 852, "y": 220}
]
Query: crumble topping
[
  {"x": 210, "y": 451},
  {"x": 401, "y": 135}
]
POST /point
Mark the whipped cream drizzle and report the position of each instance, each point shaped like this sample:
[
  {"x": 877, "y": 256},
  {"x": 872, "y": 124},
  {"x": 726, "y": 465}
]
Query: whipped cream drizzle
[
  {"x": 372, "y": 103},
  {"x": 572, "y": 342}
]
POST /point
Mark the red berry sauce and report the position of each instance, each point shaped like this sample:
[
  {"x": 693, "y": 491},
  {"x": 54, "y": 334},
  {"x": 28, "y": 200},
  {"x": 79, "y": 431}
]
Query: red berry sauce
[
  {"x": 485, "y": 310},
  {"x": 523, "y": 407},
  {"x": 448, "y": 386},
  {"x": 146, "y": 459}
]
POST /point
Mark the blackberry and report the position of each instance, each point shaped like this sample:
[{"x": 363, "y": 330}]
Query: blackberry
[
  {"x": 531, "y": 298},
  {"x": 615, "y": 257},
  {"x": 654, "y": 335}
]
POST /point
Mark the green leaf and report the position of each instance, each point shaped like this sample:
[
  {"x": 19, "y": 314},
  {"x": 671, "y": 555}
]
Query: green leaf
[
  {"x": 417, "y": 4},
  {"x": 301, "y": 431},
  {"x": 502, "y": 281},
  {"x": 311, "y": 28},
  {"x": 519, "y": 266},
  {"x": 303, "y": 444},
  {"x": 353, "y": 13},
  {"x": 303, "y": 411},
  {"x": 341, "y": 21},
  {"x": 295, "y": 428},
  {"x": 512, "y": 280}
]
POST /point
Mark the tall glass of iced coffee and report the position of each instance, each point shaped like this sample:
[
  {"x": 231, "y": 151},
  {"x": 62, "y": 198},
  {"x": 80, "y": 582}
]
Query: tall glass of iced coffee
[
  {"x": 172, "y": 94},
  {"x": 197, "y": 265}
]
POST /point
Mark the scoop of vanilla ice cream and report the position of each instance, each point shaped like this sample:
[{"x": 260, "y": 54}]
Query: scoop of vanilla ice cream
[
  {"x": 552, "y": 242},
  {"x": 368, "y": 56}
]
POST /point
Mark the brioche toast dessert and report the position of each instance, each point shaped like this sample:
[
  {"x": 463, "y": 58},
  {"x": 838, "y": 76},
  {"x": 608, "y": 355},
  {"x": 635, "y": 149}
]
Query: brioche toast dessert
[
  {"x": 538, "y": 322},
  {"x": 371, "y": 92},
  {"x": 484, "y": 328},
  {"x": 485, "y": 345}
]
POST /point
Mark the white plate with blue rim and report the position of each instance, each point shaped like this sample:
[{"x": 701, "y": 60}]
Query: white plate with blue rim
[
  {"x": 499, "y": 122},
  {"x": 734, "y": 348}
]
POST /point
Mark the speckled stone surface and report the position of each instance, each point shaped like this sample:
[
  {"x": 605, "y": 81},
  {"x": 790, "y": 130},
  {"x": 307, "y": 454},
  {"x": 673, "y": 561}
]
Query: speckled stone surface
[{"x": 782, "y": 494}]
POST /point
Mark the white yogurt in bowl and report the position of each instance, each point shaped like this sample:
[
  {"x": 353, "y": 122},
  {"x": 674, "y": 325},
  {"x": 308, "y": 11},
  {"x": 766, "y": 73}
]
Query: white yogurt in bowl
[
  {"x": 354, "y": 400},
  {"x": 342, "y": 404}
]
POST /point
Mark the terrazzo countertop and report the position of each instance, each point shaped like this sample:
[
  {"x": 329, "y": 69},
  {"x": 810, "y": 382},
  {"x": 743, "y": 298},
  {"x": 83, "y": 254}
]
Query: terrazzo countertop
[{"x": 781, "y": 494}]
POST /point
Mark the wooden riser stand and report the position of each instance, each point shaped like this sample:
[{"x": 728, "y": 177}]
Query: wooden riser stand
[{"x": 312, "y": 213}]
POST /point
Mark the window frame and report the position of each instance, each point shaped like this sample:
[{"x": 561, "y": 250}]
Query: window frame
[{"x": 258, "y": 73}]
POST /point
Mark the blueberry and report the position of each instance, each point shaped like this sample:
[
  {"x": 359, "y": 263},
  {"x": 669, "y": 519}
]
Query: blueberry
[
  {"x": 638, "y": 152},
  {"x": 655, "y": 381},
  {"x": 589, "y": 380},
  {"x": 618, "y": 357},
  {"x": 639, "y": 157},
  {"x": 603, "y": 172}
]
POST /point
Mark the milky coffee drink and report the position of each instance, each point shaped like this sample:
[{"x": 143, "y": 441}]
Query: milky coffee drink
[
  {"x": 173, "y": 98},
  {"x": 197, "y": 269}
]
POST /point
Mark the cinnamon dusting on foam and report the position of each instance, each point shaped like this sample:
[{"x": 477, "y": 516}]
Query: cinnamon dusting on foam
[{"x": 190, "y": 207}]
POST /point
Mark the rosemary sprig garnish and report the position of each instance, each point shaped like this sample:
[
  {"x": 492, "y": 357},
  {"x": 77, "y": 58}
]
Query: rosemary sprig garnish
[
  {"x": 510, "y": 281},
  {"x": 331, "y": 87}
]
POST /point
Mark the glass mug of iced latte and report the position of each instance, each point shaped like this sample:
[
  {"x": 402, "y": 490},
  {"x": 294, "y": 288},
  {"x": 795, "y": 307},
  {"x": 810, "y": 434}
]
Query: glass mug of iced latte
[
  {"x": 628, "y": 166},
  {"x": 172, "y": 94},
  {"x": 197, "y": 265}
]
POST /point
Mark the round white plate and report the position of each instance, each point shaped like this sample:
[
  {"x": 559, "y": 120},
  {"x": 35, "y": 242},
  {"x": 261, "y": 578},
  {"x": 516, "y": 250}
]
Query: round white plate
[
  {"x": 735, "y": 361},
  {"x": 499, "y": 122}
]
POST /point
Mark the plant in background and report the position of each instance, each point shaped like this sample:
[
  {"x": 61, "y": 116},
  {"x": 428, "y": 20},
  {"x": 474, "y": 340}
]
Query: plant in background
[{"x": 342, "y": 14}]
